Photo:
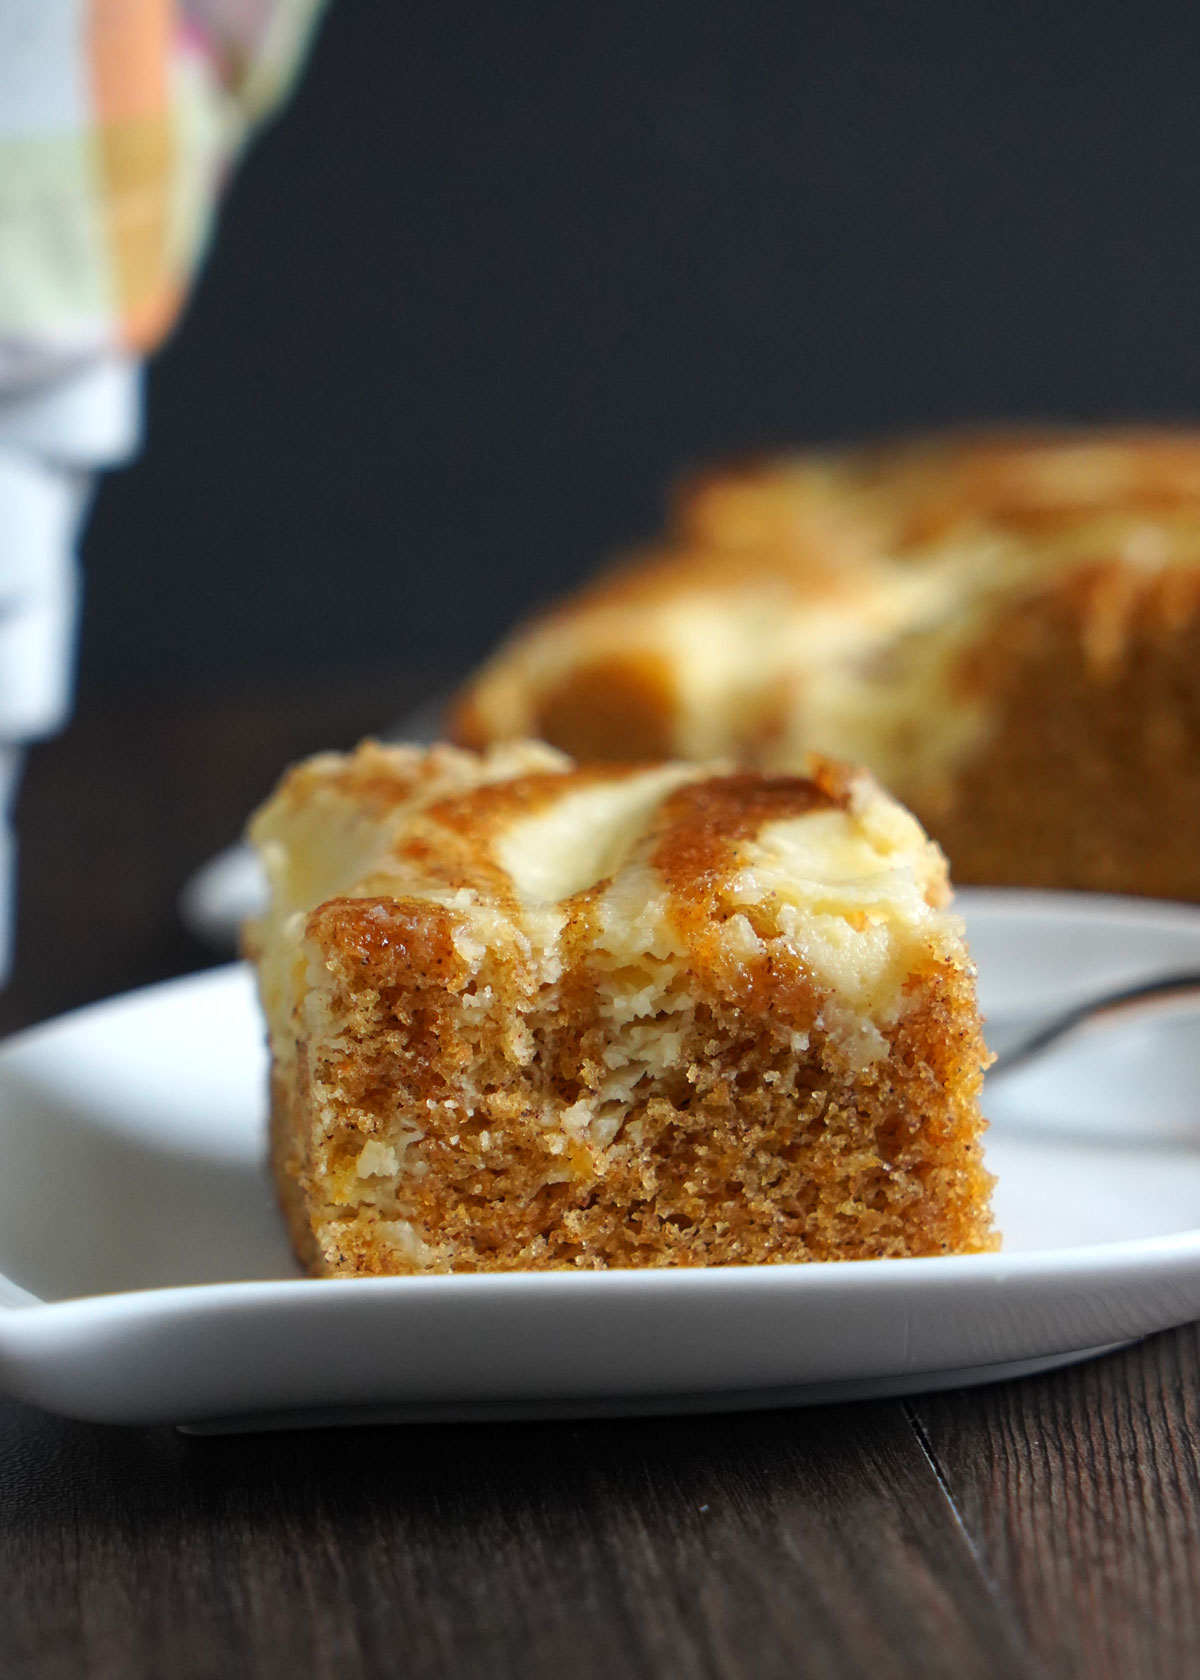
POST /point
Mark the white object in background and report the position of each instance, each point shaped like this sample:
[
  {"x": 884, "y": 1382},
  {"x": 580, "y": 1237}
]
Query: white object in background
[
  {"x": 150, "y": 1281},
  {"x": 10, "y": 775},
  {"x": 41, "y": 512},
  {"x": 222, "y": 894},
  {"x": 89, "y": 418},
  {"x": 52, "y": 439}
]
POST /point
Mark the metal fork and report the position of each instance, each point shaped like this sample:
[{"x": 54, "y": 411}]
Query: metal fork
[{"x": 1018, "y": 1040}]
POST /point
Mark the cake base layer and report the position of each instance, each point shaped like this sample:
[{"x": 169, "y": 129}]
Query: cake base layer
[{"x": 752, "y": 1151}]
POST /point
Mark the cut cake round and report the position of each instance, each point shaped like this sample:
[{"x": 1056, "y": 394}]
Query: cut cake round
[{"x": 1004, "y": 626}]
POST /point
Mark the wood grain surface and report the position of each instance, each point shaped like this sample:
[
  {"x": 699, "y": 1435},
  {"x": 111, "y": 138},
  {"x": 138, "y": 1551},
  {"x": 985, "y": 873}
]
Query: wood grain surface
[
  {"x": 769, "y": 1544},
  {"x": 1082, "y": 1494},
  {"x": 1042, "y": 1528}
]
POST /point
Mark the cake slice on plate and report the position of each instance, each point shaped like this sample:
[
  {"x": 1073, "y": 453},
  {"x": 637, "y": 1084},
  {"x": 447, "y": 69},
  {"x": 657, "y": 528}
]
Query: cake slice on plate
[{"x": 529, "y": 1014}]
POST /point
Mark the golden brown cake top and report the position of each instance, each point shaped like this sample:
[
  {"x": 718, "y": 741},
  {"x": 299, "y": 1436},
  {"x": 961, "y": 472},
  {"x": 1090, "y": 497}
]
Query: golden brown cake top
[
  {"x": 824, "y": 599},
  {"x": 537, "y": 868}
]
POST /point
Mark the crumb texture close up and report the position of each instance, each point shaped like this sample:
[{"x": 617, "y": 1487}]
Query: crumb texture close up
[{"x": 527, "y": 1014}]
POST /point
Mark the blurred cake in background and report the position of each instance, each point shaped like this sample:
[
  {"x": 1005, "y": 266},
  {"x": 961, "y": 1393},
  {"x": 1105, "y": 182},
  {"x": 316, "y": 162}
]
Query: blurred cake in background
[{"x": 1004, "y": 626}]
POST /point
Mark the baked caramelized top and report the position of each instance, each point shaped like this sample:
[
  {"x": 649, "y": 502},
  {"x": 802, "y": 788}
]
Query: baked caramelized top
[
  {"x": 520, "y": 861},
  {"x": 825, "y": 600}
]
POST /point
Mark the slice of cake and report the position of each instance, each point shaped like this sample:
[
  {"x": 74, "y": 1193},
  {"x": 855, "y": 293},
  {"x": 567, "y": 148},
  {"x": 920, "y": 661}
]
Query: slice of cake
[
  {"x": 1005, "y": 627},
  {"x": 529, "y": 1014}
]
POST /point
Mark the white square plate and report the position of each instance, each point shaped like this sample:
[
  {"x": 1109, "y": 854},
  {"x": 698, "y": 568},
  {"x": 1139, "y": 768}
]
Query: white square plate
[{"x": 146, "y": 1277}]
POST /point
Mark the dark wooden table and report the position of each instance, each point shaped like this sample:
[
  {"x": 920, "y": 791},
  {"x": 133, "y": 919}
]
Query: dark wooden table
[{"x": 1045, "y": 1527}]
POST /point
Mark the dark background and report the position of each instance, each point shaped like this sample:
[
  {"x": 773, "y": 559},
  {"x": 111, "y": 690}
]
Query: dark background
[{"x": 502, "y": 270}]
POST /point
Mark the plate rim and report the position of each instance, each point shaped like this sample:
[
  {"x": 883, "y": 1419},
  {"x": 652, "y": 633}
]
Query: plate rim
[{"x": 1078, "y": 1262}]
